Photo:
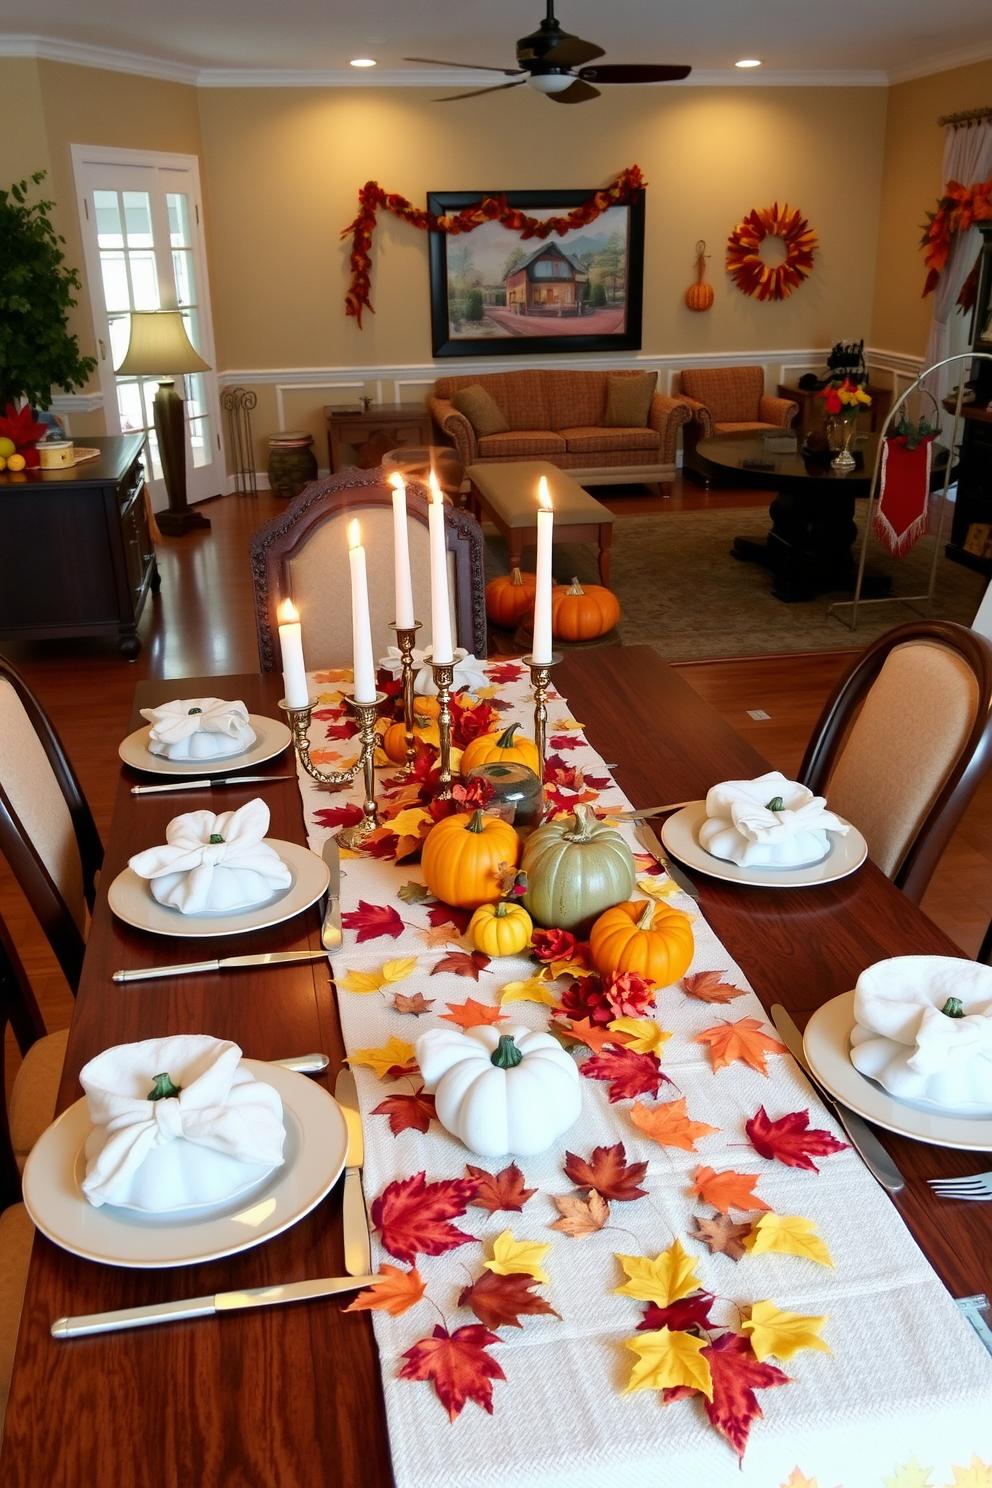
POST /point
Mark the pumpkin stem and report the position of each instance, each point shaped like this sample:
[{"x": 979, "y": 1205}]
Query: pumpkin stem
[
  {"x": 583, "y": 825},
  {"x": 500, "y": 910},
  {"x": 700, "y": 260},
  {"x": 647, "y": 916},
  {"x": 476, "y": 824},
  {"x": 506, "y": 739},
  {"x": 506, "y": 1055},
  {"x": 575, "y": 587},
  {"x": 515, "y": 578},
  {"x": 953, "y": 1008}
]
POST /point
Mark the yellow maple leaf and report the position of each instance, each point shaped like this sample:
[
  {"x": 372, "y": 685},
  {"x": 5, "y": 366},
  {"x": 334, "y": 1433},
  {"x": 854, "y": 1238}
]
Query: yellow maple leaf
[
  {"x": 330, "y": 699},
  {"x": 370, "y": 981},
  {"x": 797, "y": 1479},
  {"x": 910, "y": 1475},
  {"x": 347, "y": 852},
  {"x": 534, "y": 989},
  {"x": 789, "y": 1234},
  {"x": 396, "y": 1053},
  {"x": 978, "y": 1475},
  {"x": 407, "y": 823},
  {"x": 666, "y": 1358},
  {"x": 664, "y": 1280},
  {"x": 511, "y": 1255},
  {"x": 661, "y": 889},
  {"x": 565, "y": 726},
  {"x": 486, "y": 694},
  {"x": 782, "y": 1333},
  {"x": 644, "y": 1035}
]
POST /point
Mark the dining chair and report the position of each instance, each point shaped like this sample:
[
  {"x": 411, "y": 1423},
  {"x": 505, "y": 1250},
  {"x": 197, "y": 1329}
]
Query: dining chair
[
  {"x": 47, "y": 831},
  {"x": 903, "y": 742},
  {"x": 302, "y": 555}
]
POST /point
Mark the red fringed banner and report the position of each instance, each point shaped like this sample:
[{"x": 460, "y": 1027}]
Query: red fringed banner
[
  {"x": 904, "y": 486},
  {"x": 620, "y": 193}
]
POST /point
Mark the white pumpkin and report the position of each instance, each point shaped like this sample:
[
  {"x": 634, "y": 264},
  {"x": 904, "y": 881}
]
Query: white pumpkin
[{"x": 518, "y": 1105}]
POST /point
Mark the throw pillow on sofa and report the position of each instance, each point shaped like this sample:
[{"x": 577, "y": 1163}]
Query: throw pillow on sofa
[
  {"x": 628, "y": 400},
  {"x": 480, "y": 410}
]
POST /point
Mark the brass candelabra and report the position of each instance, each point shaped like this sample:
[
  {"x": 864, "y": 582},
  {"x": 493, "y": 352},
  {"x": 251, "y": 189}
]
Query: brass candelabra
[
  {"x": 405, "y": 637},
  {"x": 540, "y": 676},
  {"x": 444, "y": 673},
  {"x": 365, "y": 716}
]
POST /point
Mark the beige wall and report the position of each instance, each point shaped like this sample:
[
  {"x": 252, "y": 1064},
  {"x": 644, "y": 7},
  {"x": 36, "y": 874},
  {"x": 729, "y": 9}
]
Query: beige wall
[{"x": 911, "y": 184}]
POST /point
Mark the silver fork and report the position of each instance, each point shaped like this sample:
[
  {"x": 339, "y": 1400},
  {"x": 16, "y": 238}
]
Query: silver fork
[{"x": 977, "y": 1186}]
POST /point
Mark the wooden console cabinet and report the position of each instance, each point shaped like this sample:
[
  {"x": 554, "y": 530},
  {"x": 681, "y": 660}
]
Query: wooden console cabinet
[{"x": 76, "y": 558}]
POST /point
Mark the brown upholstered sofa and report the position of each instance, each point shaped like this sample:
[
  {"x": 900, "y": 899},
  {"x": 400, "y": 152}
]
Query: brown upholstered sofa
[{"x": 556, "y": 414}]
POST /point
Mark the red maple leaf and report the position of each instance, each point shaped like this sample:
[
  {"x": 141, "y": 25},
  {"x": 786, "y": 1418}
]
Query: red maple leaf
[
  {"x": 736, "y": 1374},
  {"x": 373, "y": 920},
  {"x": 458, "y": 1365},
  {"x": 407, "y": 1112},
  {"x": 630, "y": 1074},
  {"x": 412, "y": 1215},
  {"x": 503, "y": 1190},
  {"x": 598, "y": 782},
  {"x": 608, "y": 1172},
  {"x": 565, "y": 741},
  {"x": 381, "y": 843},
  {"x": 498, "y": 1301},
  {"x": 462, "y": 963},
  {"x": 339, "y": 816},
  {"x": 346, "y": 730},
  {"x": 329, "y": 713},
  {"x": 689, "y": 1312},
  {"x": 446, "y": 914},
  {"x": 790, "y": 1139},
  {"x": 504, "y": 671}
]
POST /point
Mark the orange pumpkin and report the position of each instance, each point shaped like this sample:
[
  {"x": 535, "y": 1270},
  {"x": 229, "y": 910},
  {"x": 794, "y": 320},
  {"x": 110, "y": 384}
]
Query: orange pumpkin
[
  {"x": 462, "y": 856},
  {"x": 425, "y": 730},
  {"x": 510, "y": 598},
  {"x": 650, "y": 939},
  {"x": 500, "y": 749},
  {"x": 579, "y": 614},
  {"x": 699, "y": 296}
]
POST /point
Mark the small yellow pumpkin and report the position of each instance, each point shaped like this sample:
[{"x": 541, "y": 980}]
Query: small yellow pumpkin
[
  {"x": 500, "y": 929},
  {"x": 499, "y": 749},
  {"x": 425, "y": 730},
  {"x": 653, "y": 940},
  {"x": 462, "y": 856}
]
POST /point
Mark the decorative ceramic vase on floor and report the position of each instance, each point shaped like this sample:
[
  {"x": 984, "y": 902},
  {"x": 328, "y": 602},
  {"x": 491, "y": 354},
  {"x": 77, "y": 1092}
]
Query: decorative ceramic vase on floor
[
  {"x": 292, "y": 462},
  {"x": 842, "y": 434}
]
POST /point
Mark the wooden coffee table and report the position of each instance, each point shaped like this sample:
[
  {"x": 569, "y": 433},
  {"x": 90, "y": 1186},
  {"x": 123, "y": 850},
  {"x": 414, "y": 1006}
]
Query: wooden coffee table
[{"x": 507, "y": 495}]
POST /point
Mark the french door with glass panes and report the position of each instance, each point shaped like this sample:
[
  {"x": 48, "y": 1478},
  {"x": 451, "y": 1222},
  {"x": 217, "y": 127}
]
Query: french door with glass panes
[{"x": 142, "y": 232}]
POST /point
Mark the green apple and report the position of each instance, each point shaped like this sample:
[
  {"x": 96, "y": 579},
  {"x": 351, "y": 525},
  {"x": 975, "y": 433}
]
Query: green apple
[{"x": 7, "y": 446}]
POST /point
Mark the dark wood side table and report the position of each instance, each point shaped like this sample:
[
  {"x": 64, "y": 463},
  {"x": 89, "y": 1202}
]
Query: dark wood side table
[
  {"x": 359, "y": 437},
  {"x": 811, "y": 411}
]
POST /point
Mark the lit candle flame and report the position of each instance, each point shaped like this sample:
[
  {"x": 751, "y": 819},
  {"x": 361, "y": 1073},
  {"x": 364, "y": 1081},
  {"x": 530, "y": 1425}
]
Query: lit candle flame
[
  {"x": 437, "y": 495},
  {"x": 354, "y": 534},
  {"x": 287, "y": 613},
  {"x": 397, "y": 482},
  {"x": 543, "y": 495}
]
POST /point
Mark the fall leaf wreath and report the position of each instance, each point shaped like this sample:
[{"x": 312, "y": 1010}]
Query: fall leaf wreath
[{"x": 747, "y": 268}]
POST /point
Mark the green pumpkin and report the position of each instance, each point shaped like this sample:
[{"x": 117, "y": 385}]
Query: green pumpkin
[{"x": 575, "y": 870}]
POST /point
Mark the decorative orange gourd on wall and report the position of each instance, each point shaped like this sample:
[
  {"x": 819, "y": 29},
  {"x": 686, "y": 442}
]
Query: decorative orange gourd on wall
[
  {"x": 462, "y": 857},
  {"x": 501, "y": 749},
  {"x": 650, "y": 939},
  {"x": 699, "y": 296},
  {"x": 510, "y": 597},
  {"x": 425, "y": 729},
  {"x": 582, "y": 614}
]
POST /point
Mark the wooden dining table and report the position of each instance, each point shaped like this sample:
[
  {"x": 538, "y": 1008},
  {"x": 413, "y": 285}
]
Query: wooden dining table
[{"x": 291, "y": 1396}]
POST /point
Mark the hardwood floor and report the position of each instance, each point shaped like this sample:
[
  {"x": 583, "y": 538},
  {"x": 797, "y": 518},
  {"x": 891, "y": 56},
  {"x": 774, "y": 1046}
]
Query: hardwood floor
[{"x": 202, "y": 623}]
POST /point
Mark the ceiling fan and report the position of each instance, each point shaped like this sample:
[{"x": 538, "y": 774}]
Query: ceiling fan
[{"x": 552, "y": 59}]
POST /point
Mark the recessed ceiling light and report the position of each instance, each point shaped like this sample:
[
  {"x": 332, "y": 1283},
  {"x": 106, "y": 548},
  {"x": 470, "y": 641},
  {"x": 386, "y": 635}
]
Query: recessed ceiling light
[
  {"x": 748, "y": 62},
  {"x": 363, "y": 62}
]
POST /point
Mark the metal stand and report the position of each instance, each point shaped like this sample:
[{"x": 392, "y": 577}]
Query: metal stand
[
  {"x": 365, "y": 715},
  {"x": 540, "y": 676},
  {"x": 237, "y": 403},
  {"x": 406, "y": 637},
  {"x": 444, "y": 673}
]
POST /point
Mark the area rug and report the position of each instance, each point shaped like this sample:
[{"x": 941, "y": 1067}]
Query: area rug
[{"x": 681, "y": 592}]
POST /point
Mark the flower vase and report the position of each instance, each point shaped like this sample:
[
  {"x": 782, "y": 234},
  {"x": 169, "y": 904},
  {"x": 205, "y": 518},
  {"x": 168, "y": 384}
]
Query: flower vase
[{"x": 842, "y": 434}]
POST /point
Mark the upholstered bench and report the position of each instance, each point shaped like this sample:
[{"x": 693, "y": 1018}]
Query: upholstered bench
[{"x": 507, "y": 495}]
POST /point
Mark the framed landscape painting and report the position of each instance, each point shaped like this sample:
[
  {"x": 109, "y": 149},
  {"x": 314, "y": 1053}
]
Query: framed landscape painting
[{"x": 495, "y": 294}]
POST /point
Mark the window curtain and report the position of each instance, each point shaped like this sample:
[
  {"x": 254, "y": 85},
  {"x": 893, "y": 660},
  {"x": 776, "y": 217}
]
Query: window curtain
[{"x": 967, "y": 159}]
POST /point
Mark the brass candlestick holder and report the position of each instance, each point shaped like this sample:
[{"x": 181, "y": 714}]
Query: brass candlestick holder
[
  {"x": 444, "y": 673},
  {"x": 405, "y": 637},
  {"x": 540, "y": 676},
  {"x": 365, "y": 716}
]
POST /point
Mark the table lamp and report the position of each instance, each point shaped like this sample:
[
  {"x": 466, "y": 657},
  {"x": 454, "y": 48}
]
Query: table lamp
[{"x": 159, "y": 347}]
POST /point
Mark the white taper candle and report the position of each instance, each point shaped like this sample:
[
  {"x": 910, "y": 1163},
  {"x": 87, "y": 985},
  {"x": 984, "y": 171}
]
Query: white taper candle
[
  {"x": 294, "y": 672},
  {"x": 541, "y": 647},
  {"x": 361, "y": 625},
  {"x": 441, "y": 650},
  {"x": 404, "y": 616}
]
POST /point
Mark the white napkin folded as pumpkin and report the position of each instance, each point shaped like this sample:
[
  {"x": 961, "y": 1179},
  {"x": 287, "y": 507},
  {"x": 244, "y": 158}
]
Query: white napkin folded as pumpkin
[
  {"x": 215, "y": 863},
  {"x": 199, "y": 728},
  {"x": 469, "y": 675},
  {"x": 924, "y": 1030},
  {"x": 767, "y": 822},
  {"x": 222, "y": 1132}
]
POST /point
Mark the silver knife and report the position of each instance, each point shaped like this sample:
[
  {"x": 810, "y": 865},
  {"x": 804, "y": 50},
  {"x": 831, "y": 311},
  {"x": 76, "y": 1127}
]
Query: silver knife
[
  {"x": 357, "y": 1249},
  {"x": 859, "y": 1133},
  {"x": 330, "y": 930},
  {"x": 181, "y": 785},
  {"x": 194, "y": 1307},
  {"x": 226, "y": 963},
  {"x": 649, "y": 839}
]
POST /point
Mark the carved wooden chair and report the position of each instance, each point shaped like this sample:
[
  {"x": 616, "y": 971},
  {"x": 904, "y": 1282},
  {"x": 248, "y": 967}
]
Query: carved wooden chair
[
  {"x": 302, "y": 554},
  {"x": 902, "y": 744}
]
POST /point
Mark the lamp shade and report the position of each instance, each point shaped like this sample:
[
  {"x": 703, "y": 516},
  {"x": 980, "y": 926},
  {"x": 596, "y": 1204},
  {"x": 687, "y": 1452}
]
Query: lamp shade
[{"x": 159, "y": 346}]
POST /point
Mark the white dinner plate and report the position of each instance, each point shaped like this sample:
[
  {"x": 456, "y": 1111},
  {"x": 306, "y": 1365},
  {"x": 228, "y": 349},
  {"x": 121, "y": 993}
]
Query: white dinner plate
[
  {"x": 316, "y": 1148},
  {"x": 132, "y": 901},
  {"x": 271, "y": 738},
  {"x": 827, "y": 1042},
  {"x": 680, "y": 834}
]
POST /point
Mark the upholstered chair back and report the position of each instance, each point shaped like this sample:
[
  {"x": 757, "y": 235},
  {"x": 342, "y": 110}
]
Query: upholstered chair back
[{"x": 732, "y": 394}]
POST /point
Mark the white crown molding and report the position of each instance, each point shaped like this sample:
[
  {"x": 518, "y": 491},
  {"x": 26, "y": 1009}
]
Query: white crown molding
[
  {"x": 963, "y": 57},
  {"x": 80, "y": 54}
]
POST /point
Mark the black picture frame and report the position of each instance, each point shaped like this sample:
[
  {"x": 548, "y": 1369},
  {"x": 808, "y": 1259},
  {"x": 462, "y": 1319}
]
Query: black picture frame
[{"x": 563, "y": 339}]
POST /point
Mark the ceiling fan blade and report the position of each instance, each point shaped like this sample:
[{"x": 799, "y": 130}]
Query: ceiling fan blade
[
  {"x": 571, "y": 51},
  {"x": 635, "y": 73},
  {"x": 472, "y": 66},
  {"x": 579, "y": 92},
  {"x": 478, "y": 92}
]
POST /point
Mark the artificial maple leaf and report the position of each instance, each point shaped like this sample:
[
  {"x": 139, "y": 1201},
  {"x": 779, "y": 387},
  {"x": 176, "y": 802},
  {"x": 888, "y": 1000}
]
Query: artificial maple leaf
[
  {"x": 736, "y": 1374},
  {"x": 371, "y": 981},
  {"x": 497, "y": 1191},
  {"x": 396, "y": 1054},
  {"x": 720, "y": 1235},
  {"x": 448, "y": 914},
  {"x": 790, "y": 1139},
  {"x": 339, "y": 816},
  {"x": 471, "y": 1014},
  {"x": 415, "y": 893},
  {"x": 643, "y": 1035},
  {"x": 608, "y": 1172},
  {"x": 338, "y": 731},
  {"x": 978, "y": 1475},
  {"x": 564, "y": 741},
  {"x": 532, "y": 989},
  {"x": 688, "y": 1312},
  {"x": 504, "y": 671},
  {"x": 407, "y": 1112},
  {"x": 782, "y": 1333},
  {"x": 669, "y": 1125},
  {"x": 797, "y": 1479},
  {"x": 439, "y": 935},
  {"x": 458, "y": 1365},
  {"x": 395, "y": 1293},
  {"x": 667, "y": 1359},
  {"x": 789, "y": 1234},
  {"x": 580, "y": 1218},
  {"x": 671, "y": 1275},
  {"x": 412, "y": 1216},
  {"x": 743, "y": 1040},
  {"x": 580, "y": 1032},
  {"x": 511, "y": 1255},
  {"x": 372, "y": 921},
  {"x": 498, "y": 1301},
  {"x": 408, "y": 821},
  {"x": 630, "y": 1074},
  {"x": 571, "y": 724},
  {"x": 648, "y": 863},
  {"x": 910, "y": 1475},
  {"x": 416, "y": 1004},
  {"x": 728, "y": 1190},
  {"x": 462, "y": 963},
  {"x": 708, "y": 986}
]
